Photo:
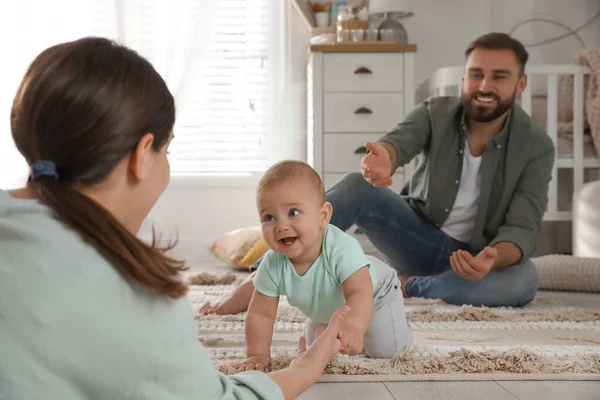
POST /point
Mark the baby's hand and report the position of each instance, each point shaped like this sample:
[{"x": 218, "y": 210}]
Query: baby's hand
[
  {"x": 352, "y": 340},
  {"x": 259, "y": 363}
]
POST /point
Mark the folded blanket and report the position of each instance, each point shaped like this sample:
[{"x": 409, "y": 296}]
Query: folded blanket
[
  {"x": 591, "y": 59},
  {"x": 568, "y": 273}
]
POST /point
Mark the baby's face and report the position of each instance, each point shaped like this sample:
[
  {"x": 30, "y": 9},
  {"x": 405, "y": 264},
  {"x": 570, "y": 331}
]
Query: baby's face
[{"x": 292, "y": 216}]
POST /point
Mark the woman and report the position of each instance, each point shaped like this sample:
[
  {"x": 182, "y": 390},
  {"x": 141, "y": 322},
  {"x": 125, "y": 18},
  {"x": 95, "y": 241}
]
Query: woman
[{"x": 88, "y": 311}]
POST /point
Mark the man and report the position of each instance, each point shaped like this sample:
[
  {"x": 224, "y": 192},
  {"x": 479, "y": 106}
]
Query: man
[
  {"x": 470, "y": 217},
  {"x": 464, "y": 227}
]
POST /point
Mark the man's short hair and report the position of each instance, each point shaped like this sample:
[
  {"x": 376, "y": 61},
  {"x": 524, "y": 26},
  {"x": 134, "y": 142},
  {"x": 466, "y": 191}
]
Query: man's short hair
[{"x": 500, "y": 41}]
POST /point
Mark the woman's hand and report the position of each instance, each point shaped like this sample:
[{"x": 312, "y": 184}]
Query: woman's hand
[
  {"x": 309, "y": 364},
  {"x": 326, "y": 344}
]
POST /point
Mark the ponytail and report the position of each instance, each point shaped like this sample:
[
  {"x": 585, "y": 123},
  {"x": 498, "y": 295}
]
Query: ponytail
[
  {"x": 146, "y": 264},
  {"x": 81, "y": 108}
]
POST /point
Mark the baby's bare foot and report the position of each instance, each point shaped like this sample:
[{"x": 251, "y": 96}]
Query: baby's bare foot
[{"x": 403, "y": 280}]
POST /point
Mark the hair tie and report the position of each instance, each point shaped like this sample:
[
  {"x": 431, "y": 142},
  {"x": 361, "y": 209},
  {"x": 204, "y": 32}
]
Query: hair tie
[{"x": 43, "y": 168}]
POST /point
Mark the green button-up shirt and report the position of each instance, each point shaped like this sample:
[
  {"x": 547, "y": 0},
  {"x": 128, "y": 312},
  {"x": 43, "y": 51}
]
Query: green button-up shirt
[{"x": 515, "y": 172}]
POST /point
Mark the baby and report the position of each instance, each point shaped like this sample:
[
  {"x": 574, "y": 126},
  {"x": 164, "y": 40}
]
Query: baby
[{"x": 319, "y": 268}]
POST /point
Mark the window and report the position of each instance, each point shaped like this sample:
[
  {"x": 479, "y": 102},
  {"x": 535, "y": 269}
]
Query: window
[
  {"x": 26, "y": 29},
  {"x": 223, "y": 117},
  {"x": 223, "y": 125}
]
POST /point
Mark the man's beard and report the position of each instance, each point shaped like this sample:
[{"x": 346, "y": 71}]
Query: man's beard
[{"x": 484, "y": 114}]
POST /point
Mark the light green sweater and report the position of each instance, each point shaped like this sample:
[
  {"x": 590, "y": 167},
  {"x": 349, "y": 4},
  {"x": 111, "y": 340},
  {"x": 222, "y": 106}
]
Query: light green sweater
[{"x": 71, "y": 327}]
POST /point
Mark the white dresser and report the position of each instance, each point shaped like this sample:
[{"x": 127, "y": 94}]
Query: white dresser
[{"x": 356, "y": 94}]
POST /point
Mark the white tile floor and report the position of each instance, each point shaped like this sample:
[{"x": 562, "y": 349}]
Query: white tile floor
[
  {"x": 509, "y": 390},
  {"x": 491, "y": 390}
]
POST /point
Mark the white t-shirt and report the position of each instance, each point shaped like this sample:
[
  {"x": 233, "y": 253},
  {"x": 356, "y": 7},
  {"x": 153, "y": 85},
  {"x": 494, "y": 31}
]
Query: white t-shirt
[{"x": 462, "y": 216}]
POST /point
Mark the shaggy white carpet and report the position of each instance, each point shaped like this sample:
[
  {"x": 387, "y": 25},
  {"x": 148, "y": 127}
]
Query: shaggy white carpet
[{"x": 545, "y": 340}]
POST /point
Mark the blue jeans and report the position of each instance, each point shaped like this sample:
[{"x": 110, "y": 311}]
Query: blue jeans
[{"x": 421, "y": 251}]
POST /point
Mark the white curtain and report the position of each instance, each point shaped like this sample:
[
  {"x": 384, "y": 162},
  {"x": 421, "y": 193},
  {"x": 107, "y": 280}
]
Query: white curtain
[
  {"x": 172, "y": 35},
  {"x": 289, "y": 49},
  {"x": 168, "y": 33},
  {"x": 26, "y": 28}
]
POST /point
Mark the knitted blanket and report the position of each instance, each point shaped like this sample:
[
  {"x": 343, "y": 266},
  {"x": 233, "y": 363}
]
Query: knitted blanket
[
  {"x": 568, "y": 273},
  {"x": 591, "y": 59}
]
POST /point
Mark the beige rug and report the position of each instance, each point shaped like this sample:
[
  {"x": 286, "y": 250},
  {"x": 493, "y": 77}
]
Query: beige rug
[{"x": 544, "y": 341}]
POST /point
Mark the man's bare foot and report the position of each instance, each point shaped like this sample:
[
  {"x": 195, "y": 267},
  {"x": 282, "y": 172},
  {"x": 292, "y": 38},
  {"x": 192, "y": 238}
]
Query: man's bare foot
[
  {"x": 403, "y": 280},
  {"x": 235, "y": 302}
]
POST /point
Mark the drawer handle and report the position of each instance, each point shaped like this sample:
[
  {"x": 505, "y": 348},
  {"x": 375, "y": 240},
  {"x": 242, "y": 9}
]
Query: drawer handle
[
  {"x": 363, "y": 70},
  {"x": 363, "y": 110},
  {"x": 361, "y": 150}
]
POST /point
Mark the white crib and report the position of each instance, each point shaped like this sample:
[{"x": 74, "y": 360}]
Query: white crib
[{"x": 576, "y": 161}]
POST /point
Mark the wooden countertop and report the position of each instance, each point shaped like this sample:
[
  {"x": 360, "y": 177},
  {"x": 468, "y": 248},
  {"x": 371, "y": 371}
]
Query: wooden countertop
[{"x": 364, "y": 47}]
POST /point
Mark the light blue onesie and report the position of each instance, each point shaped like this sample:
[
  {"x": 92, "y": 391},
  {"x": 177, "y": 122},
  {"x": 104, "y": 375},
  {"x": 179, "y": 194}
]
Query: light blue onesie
[{"x": 319, "y": 292}]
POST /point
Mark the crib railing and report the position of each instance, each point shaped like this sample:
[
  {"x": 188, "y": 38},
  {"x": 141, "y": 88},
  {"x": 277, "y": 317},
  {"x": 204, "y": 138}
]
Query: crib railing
[{"x": 447, "y": 81}]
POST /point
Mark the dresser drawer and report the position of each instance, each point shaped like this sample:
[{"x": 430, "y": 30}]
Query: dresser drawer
[
  {"x": 398, "y": 180},
  {"x": 340, "y": 150},
  {"x": 370, "y": 72},
  {"x": 362, "y": 112}
]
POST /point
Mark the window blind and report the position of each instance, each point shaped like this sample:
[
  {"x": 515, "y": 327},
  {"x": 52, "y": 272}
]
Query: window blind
[{"x": 223, "y": 124}]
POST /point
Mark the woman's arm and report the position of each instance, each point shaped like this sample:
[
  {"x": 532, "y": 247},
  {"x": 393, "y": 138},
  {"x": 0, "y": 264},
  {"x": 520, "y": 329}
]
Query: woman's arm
[
  {"x": 309, "y": 364},
  {"x": 304, "y": 370}
]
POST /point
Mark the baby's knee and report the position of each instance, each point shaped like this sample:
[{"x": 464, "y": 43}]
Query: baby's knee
[
  {"x": 388, "y": 349},
  {"x": 386, "y": 352},
  {"x": 310, "y": 330}
]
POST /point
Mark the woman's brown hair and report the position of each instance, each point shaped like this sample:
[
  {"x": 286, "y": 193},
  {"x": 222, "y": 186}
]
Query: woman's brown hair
[{"x": 84, "y": 106}]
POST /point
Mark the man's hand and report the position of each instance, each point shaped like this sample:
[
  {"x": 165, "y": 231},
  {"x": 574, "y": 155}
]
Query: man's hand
[
  {"x": 473, "y": 268},
  {"x": 351, "y": 338},
  {"x": 376, "y": 166}
]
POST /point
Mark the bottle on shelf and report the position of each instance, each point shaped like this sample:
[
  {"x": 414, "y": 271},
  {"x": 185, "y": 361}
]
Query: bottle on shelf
[{"x": 342, "y": 15}]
